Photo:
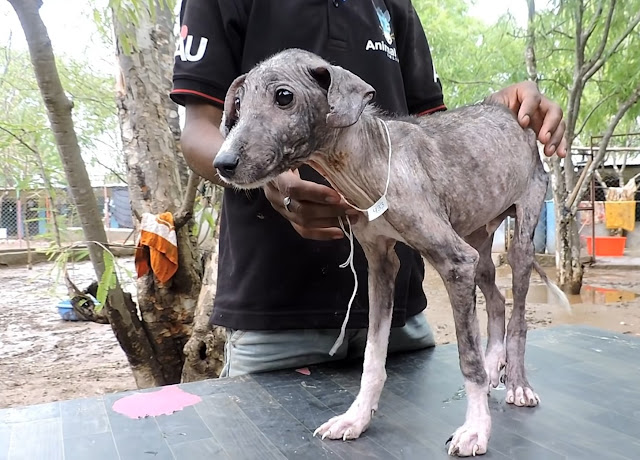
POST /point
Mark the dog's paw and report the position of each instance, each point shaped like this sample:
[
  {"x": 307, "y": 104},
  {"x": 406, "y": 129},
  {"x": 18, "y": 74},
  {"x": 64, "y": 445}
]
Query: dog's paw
[
  {"x": 470, "y": 439},
  {"x": 521, "y": 396},
  {"x": 495, "y": 360},
  {"x": 349, "y": 425}
]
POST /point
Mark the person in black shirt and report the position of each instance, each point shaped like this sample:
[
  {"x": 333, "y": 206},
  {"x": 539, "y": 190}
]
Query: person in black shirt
[{"x": 281, "y": 293}]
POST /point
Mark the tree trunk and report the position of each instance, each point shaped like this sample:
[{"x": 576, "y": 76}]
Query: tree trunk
[
  {"x": 205, "y": 349},
  {"x": 148, "y": 128},
  {"x": 122, "y": 317},
  {"x": 567, "y": 190}
]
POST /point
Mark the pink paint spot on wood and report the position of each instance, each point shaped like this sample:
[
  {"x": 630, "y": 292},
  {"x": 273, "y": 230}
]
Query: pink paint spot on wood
[
  {"x": 166, "y": 401},
  {"x": 304, "y": 371}
]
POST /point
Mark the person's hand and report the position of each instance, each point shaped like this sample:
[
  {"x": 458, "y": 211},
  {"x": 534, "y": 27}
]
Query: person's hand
[
  {"x": 314, "y": 208},
  {"x": 536, "y": 111}
]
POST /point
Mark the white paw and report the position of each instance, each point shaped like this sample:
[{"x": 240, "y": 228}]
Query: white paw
[
  {"x": 495, "y": 360},
  {"x": 470, "y": 439},
  {"x": 349, "y": 425},
  {"x": 522, "y": 397}
]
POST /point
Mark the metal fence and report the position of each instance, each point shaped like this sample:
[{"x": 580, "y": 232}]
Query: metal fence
[{"x": 27, "y": 217}]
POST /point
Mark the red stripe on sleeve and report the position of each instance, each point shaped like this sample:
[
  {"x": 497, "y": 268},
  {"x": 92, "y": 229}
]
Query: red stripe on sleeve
[
  {"x": 197, "y": 93},
  {"x": 428, "y": 111}
]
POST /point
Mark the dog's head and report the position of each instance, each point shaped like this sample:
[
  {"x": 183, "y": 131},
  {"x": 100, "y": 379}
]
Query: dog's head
[{"x": 281, "y": 112}]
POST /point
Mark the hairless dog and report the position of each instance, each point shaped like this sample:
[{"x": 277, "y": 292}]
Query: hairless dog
[{"x": 453, "y": 177}]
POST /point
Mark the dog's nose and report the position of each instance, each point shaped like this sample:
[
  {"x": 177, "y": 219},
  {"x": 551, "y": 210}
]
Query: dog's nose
[{"x": 226, "y": 164}]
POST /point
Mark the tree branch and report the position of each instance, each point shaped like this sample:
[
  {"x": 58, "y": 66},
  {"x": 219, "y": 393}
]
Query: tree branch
[
  {"x": 602, "y": 150},
  {"x": 530, "y": 49},
  {"x": 111, "y": 170},
  {"x": 45, "y": 178},
  {"x": 185, "y": 212},
  {"x": 580, "y": 44},
  {"x": 20, "y": 141},
  {"x": 602, "y": 183},
  {"x": 458, "y": 82},
  {"x": 604, "y": 38},
  {"x": 594, "y": 21},
  {"x": 597, "y": 65},
  {"x": 552, "y": 80},
  {"x": 590, "y": 114}
]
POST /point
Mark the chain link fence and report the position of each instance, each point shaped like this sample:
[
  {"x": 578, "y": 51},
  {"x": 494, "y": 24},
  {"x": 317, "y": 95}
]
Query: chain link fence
[{"x": 27, "y": 217}]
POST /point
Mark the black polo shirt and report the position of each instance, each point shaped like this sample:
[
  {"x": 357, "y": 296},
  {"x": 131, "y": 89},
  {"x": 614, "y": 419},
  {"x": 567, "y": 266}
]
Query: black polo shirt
[{"x": 268, "y": 276}]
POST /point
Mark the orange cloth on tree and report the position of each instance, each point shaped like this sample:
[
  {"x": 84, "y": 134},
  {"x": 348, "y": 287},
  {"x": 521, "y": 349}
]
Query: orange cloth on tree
[
  {"x": 159, "y": 235},
  {"x": 620, "y": 214}
]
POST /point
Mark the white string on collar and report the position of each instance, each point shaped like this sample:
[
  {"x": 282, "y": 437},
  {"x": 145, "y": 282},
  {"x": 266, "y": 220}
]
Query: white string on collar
[
  {"x": 379, "y": 207},
  {"x": 375, "y": 211}
]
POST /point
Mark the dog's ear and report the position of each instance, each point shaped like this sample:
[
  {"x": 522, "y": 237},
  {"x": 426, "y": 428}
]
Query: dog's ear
[
  {"x": 347, "y": 94},
  {"x": 230, "y": 112}
]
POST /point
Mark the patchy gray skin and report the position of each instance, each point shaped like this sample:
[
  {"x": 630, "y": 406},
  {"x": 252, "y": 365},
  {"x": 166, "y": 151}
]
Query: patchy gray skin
[{"x": 455, "y": 176}]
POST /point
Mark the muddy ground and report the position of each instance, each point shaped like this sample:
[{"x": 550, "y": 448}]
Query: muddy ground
[{"x": 43, "y": 358}]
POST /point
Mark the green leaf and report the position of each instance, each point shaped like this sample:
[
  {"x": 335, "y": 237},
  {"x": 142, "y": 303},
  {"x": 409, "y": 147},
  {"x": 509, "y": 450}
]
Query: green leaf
[
  {"x": 81, "y": 254},
  {"x": 108, "y": 279}
]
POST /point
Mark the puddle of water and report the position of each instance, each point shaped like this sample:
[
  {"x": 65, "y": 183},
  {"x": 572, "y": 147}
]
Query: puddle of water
[
  {"x": 538, "y": 293},
  {"x": 589, "y": 295}
]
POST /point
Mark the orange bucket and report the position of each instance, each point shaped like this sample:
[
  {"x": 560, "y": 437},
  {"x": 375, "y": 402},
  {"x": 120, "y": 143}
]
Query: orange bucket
[{"x": 608, "y": 246}]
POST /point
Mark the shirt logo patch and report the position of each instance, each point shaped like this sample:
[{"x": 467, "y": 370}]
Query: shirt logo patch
[
  {"x": 385, "y": 24},
  {"x": 185, "y": 46},
  {"x": 386, "y": 45}
]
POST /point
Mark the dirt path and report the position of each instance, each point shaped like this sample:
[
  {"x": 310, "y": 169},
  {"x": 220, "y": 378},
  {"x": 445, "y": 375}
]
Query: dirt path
[
  {"x": 43, "y": 358},
  {"x": 610, "y": 299}
]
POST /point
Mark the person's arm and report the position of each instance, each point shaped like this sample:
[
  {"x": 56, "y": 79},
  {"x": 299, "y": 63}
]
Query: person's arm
[
  {"x": 201, "y": 138},
  {"x": 422, "y": 86}
]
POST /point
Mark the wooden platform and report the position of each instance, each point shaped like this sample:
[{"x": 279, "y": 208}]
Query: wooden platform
[{"x": 588, "y": 380}]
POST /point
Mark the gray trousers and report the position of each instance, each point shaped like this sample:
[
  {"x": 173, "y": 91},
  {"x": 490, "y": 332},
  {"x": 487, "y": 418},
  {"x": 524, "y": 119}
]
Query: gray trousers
[{"x": 249, "y": 352}]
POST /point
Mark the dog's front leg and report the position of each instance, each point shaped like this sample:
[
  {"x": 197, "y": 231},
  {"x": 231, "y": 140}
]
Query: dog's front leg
[
  {"x": 383, "y": 268},
  {"x": 456, "y": 263}
]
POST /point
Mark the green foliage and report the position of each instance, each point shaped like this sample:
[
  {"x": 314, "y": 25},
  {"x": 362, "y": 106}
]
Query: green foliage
[
  {"x": 473, "y": 59},
  {"x": 24, "y": 126},
  {"x": 109, "y": 278},
  {"x": 113, "y": 270},
  {"x": 556, "y": 52},
  {"x": 129, "y": 12}
]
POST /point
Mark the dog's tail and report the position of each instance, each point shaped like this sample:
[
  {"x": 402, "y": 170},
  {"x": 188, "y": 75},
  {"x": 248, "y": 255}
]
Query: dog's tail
[{"x": 557, "y": 292}]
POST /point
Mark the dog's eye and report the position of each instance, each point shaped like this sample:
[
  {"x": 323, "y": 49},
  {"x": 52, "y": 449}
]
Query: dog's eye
[
  {"x": 237, "y": 103},
  {"x": 284, "y": 97}
]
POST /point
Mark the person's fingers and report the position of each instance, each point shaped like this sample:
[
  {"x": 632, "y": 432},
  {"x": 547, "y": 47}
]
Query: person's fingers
[
  {"x": 307, "y": 213},
  {"x": 556, "y": 138},
  {"x": 552, "y": 128},
  {"x": 321, "y": 234},
  {"x": 310, "y": 211},
  {"x": 530, "y": 99},
  {"x": 316, "y": 221},
  {"x": 289, "y": 184},
  {"x": 561, "y": 151}
]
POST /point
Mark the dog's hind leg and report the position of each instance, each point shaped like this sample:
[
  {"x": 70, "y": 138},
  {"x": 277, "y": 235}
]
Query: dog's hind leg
[
  {"x": 521, "y": 258},
  {"x": 495, "y": 355},
  {"x": 383, "y": 268}
]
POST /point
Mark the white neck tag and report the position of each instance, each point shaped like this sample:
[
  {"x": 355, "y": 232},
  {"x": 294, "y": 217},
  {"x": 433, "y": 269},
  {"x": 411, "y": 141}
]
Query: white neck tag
[{"x": 378, "y": 208}]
